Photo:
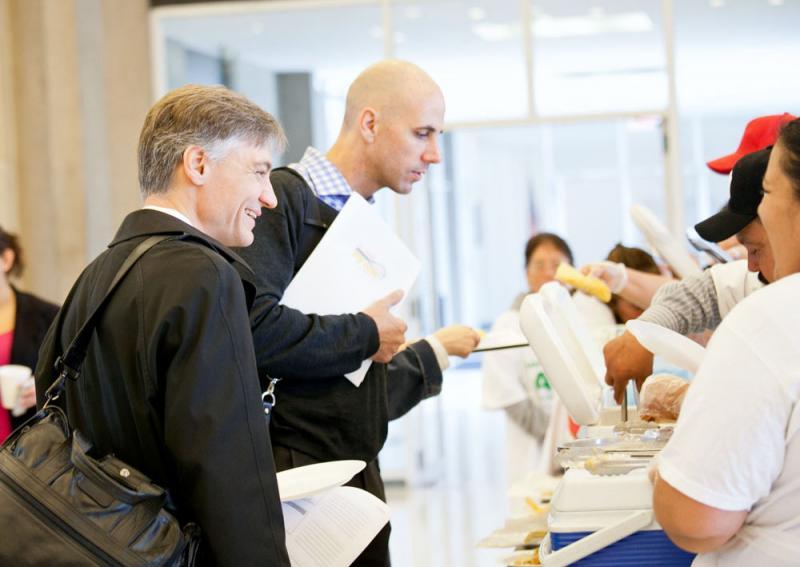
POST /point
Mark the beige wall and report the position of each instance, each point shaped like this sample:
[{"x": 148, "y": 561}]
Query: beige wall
[{"x": 74, "y": 89}]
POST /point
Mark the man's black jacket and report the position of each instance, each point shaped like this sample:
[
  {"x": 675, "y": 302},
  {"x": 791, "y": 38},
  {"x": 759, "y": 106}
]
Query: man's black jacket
[
  {"x": 319, "y": 412},
  {"x": 170, "y": 384}
]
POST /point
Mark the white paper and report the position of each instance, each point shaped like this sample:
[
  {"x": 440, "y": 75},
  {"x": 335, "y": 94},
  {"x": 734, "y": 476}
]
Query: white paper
[
  {"x": 359, "y": 261},
  {"x": 306, "y": 481},
  {"x": 333, "y": 527}
]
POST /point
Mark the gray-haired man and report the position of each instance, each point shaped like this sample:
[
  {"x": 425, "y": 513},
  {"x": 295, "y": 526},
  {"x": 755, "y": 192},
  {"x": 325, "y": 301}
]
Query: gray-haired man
[{"x": 170, "y": 383}]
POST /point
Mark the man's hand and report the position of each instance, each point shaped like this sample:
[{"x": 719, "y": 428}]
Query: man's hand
[
  {"x": 458, "y": 340},
  {"x": 391, "y": 329},
  {"x": 626, "y": 359}
]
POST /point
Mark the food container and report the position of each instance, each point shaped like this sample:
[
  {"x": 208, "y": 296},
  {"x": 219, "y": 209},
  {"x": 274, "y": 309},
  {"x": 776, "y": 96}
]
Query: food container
[{"x": 643, "y": 445}]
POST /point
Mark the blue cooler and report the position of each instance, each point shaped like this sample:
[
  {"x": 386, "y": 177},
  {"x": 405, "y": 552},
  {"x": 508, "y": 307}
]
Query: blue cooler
[{"x": 607, "y": 521}]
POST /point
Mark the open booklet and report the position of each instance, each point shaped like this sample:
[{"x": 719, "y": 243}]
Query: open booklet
[{"x": 332, "y": 527}]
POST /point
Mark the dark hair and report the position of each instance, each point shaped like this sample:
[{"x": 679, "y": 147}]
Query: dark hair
[
  {"x": 547, "y": 238},
  {"x": 10, "y": 241},
  {"x": 789, "y": 139},
  {"x": 634, "y": 258}
]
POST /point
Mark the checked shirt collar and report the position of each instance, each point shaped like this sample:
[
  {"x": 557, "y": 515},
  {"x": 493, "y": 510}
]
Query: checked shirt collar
[{"x": 324, "y": 178}]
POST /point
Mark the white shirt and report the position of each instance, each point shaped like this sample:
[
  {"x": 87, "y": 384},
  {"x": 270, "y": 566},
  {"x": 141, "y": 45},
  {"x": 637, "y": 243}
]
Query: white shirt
[
  {"x": 733, "y": 282},
  {"x": 171, "y": 212},
  {"x": 736, "y": 444}
]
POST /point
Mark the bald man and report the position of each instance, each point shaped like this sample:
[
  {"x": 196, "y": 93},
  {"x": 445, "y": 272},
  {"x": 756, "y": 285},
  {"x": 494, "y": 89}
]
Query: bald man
[{"x": 389, "y": 137}]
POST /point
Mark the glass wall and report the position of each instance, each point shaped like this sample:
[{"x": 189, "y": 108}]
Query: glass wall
[
  {"x": 734, "y": 60},
  {"x": 503, "y": 184},
  {"x": 596, "y": 57},
  {"x": 475, "y": 50}
]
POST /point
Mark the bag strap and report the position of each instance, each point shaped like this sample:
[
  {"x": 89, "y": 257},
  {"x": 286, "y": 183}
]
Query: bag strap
[{"x": 68, "y": 365}]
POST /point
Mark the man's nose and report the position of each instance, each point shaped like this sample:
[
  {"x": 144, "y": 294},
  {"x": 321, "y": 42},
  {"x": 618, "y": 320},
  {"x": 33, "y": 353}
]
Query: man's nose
[
  {"x": 268, "y": 198},
  {"x": 752, "y": 261},
  {"x": 432, "y": 153}
]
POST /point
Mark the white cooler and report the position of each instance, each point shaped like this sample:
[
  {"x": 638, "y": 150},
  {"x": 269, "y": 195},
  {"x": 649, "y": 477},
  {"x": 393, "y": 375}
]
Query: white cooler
[{"x": 594, "y": 520}]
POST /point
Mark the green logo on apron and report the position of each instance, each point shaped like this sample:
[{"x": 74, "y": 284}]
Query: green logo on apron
[{"x": 541, "y": 382}]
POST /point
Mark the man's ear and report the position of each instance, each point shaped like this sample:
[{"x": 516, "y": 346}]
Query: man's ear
[
  {"x": 368, "y": 124},
  {"x": 7, "y": 259},
  {"x": 195, "y": 164}
]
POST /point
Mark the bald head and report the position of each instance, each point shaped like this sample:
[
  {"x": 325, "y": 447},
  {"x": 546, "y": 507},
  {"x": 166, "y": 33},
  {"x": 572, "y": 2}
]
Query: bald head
[
  {"x": 387, "y": 87},
  {"x": 391, "y": 128}
]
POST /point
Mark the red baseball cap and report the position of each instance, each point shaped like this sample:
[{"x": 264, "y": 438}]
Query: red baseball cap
[{"x": 758, "y": 134}]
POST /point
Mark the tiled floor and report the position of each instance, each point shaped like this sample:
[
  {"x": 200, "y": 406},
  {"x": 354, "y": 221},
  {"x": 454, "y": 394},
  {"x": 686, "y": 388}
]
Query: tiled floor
[{"x": 439, "y": 524}]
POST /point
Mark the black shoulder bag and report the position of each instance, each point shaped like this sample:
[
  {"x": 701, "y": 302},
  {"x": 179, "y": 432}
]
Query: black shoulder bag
[{"x": 60, "y": 506}]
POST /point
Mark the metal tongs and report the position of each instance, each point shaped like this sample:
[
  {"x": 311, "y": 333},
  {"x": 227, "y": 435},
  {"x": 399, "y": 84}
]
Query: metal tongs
[
  {"x": 624, "y": 406},
  {"x": 631, "y": 426}
]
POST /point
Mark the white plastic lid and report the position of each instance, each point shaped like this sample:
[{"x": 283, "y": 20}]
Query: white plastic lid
[
  {"x": 673, "y": 347},
  {"x": 581, "y": 491},
  {"x": 667, "y": 246},
  {"x": 564, "y": 347}
]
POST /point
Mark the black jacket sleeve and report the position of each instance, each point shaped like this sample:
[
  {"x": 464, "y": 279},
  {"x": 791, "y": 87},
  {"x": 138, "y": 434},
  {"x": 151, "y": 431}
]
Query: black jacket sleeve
[
  {"x": 33, "y": 318},
  {"x": 290, "y": 343},
  {"x": 214, "y": 426},
  {"x": 413, "y": 375}
]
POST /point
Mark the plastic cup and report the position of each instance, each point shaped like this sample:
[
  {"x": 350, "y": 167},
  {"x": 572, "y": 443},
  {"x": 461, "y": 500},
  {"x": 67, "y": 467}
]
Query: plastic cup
[{"x": 12, "y": 377}]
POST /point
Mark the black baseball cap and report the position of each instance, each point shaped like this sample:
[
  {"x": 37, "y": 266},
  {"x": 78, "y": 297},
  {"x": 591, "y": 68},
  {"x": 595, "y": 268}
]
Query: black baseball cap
[{"x": 747, "y": 177}]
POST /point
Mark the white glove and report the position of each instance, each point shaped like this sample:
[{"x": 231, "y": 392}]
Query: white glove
[
  {"x": 661, "y": 397},
  {"x": 613, "y": 273}
]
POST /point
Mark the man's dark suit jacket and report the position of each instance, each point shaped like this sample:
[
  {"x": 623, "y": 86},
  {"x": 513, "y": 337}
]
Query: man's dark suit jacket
[
  {"x": 170, "y": 385},
  {"x": 319, "y": 412}
]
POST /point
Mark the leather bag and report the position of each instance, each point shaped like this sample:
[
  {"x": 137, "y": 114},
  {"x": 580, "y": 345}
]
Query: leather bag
[{"x": 61, "y": 506}]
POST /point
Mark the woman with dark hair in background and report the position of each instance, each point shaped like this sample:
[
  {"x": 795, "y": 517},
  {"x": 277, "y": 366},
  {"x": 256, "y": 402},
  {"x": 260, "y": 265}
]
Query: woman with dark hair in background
[
  {"x": 514, "y": 380},
  {"x": 637, "y": 259},
  {"x": 24, "y": 320}
]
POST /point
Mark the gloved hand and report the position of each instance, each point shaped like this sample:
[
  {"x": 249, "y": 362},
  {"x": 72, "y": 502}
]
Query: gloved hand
[
  {"x": 661, "y": 397},
  {"x": 614, "y": 274}
]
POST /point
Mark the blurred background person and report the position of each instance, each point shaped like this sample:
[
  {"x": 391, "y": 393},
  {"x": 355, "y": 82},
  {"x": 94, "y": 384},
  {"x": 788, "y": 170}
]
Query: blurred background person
[
  {"x": 24, "y": 320},
  {"x": 635, "y": 259}
]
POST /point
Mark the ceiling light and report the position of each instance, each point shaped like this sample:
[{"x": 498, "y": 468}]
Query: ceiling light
[
  {"x": 627, "y": 22},
  {"x": 716, "y": 3},
  {"x": 476, "y": 14},
  {"x": 496, "y": 32},
  {"x": 775, "y": 2}
]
